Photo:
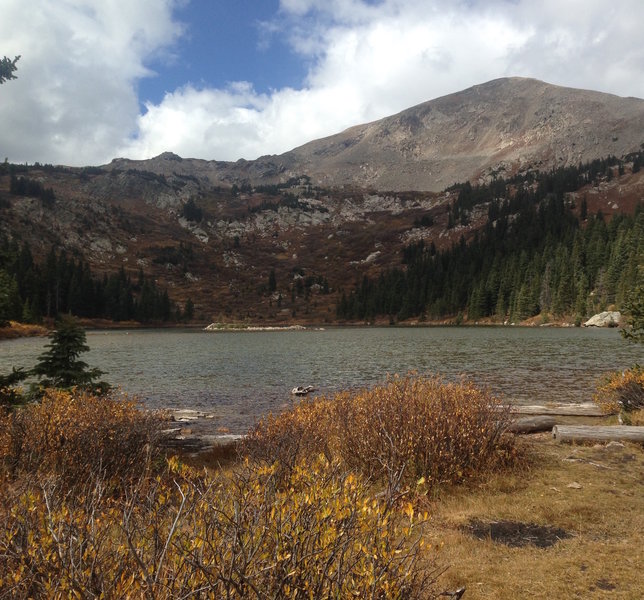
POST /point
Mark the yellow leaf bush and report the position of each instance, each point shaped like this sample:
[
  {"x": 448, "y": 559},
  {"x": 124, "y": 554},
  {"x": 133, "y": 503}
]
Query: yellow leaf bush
[
  {"x": 318, "y": 534},
  {"x": 85, "y": 513},
  {"x": 621, "y": 391},
  {"x": 75, "y": 434},
  {"x": 407, "y": 429}
]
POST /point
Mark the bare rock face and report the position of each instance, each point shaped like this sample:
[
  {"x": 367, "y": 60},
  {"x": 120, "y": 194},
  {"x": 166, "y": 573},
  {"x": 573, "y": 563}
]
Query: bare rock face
[{"x": 498, "y": 127}]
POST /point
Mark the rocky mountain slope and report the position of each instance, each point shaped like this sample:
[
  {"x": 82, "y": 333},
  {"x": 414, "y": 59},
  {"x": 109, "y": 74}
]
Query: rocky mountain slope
[
  {"x": 503, "y": 126},
  {"x": 280, "y": 238}
]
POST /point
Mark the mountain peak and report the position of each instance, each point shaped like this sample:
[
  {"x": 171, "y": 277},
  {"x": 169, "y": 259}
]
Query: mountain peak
[{"x": 505, "y": 125}]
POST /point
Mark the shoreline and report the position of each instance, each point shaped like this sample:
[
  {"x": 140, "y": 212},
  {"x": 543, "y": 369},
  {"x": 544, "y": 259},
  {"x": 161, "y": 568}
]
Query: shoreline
[{"x": 18, "y": 330}]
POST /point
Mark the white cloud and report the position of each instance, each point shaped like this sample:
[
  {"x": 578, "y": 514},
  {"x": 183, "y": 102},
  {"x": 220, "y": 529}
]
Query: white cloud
[
  {"x": 75, "y": 96},
  {"x": 367, "y": 60}
]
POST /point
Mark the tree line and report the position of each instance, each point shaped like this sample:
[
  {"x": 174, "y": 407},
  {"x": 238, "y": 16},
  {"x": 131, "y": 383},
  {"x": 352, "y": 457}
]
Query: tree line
[
  {"x": 62, "y": 285},
  {"x": 24, "y": 186},
  {"x": 534, "y": 256}
]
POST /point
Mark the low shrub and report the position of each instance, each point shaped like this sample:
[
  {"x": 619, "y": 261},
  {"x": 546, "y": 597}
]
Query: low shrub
[
  {"x": 316, "y": 534},
  {"x": 85, "y": 513},
  {"x": 73, "y": 435},
  {"x": 408, "y": 429},
  {"x": 292, "y": 436},
  {"x": 621, "y": 391}
]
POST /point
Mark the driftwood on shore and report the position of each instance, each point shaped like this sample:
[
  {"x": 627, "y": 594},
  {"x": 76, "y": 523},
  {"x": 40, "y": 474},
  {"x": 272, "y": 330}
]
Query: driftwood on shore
[
  {"x": 569, "y": 433},
  {"x": 532, "y": 424},
  {"x": 586, "y": 409}
]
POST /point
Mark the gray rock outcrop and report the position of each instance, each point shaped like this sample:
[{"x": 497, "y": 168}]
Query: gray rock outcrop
[{"x": 604, "y": 319}]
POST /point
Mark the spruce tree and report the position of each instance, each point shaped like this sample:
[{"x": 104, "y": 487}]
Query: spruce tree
[
  {"x": 10, "y": 394},
  {"x": 60, "y": 366},
  {"x": 7, "y": 68},
  {"x": 634, "y": 308}
]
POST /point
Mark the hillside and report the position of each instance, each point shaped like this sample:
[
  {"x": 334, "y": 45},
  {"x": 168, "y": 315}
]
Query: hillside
[
  {"x": 272, "y": 254},
  {"x": 240, "y": 246},
  {"x": 503, "y": 126}
]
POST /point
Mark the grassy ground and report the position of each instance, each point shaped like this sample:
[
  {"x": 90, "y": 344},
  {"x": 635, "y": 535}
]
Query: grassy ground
[{"x": 594, "y": 493}]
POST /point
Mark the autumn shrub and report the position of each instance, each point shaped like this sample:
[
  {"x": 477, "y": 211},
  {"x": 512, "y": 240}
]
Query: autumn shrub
[
  {"x": 621, "y": 391},
  {"x": 291, "y": 436},
  {"x": 317, "y": 534},
  {"x": 73, "y": 434},
  {"x": 409, "y": 428}
]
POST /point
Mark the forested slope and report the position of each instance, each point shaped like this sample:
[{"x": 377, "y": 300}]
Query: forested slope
[{"x": 535, "y": 255}]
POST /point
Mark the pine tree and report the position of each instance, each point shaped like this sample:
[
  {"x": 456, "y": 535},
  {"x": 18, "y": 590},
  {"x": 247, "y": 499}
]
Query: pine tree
[
  {"x": 60, "y": 367},
  {"x": 10, "y": 395},
  {"x": 7, "y": 68},
  {"x": 634, "y": 308},
  {"x": 189, "y": 310}
]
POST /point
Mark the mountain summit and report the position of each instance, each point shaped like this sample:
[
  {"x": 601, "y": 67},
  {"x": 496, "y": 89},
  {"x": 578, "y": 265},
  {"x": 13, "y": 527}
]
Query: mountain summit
[
  {"x": 502, "y": 126},
  {"x": 505, "y": 124}
]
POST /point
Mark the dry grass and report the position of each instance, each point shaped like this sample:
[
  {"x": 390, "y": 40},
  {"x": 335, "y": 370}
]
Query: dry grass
[
  {"x": 637, "y": 417},
  {"x": 17, "y": 330},
  {"x": 605, "y": 515}
]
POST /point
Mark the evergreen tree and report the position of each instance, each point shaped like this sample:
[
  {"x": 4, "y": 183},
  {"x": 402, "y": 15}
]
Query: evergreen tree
[
  {"x": 10, "y": 303},
  {"x": 9, "y": 394},
  {"x": 60, "y": 366},
  {"x": 189, "y": 310},
  {"x": 535, "y": 256},
  {"x": 7, "y": 68},
  {"x": 634, "y": 309}
]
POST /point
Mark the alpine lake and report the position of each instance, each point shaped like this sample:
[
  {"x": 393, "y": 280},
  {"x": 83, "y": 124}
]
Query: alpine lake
[{"x": 240, "y": 376}]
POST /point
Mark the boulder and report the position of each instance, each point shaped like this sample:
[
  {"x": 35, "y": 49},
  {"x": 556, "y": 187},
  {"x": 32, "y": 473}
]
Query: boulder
[{"x": 604, "y": 319}]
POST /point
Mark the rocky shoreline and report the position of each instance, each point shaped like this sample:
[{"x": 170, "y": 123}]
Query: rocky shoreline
[{"x": 193, "y": 431}]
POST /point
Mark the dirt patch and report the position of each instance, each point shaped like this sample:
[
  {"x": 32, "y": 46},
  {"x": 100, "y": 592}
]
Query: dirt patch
[
  {"x": 604, "y": 585},
  {"x": 515, "y": 533}
]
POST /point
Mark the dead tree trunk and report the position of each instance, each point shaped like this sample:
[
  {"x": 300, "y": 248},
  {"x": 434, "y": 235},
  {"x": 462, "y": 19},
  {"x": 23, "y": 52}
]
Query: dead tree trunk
[{"x": 570, "y": 433}]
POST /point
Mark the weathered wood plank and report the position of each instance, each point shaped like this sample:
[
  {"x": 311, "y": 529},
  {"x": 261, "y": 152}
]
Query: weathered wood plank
[
  {"x": 569, "y": 433},
  {"x": 586, "y": 409},
  {"x": 532, "y": 424}
]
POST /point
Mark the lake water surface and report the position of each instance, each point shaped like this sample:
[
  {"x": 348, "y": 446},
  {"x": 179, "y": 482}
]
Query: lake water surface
[{"x": 241, "y": 376}]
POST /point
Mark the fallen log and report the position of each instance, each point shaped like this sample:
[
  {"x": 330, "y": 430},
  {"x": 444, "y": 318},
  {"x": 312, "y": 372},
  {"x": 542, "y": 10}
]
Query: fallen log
[
  {"x": 570, "y": 433},
  {"x": 586, "y": 409},
  {"x": 532, "y": 424}
]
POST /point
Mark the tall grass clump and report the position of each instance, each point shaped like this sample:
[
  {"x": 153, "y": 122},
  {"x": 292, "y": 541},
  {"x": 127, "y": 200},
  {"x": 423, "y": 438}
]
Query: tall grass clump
[{"x": 410, "y": 428}]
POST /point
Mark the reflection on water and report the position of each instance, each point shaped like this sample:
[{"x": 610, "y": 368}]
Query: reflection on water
[{"x": 241, "y": 375}]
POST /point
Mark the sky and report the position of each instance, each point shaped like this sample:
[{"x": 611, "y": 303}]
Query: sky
[{"x": 230, "y": 79}]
